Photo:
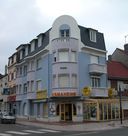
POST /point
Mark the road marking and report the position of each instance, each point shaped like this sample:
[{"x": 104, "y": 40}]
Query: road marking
[
  {"x": 85, "y": 133},
  {"x": 32, "y": 131},
  {"x": 3, "y": 134},
  {"x": 16, "y": 132},
  {"x": 48, "y": 130}
]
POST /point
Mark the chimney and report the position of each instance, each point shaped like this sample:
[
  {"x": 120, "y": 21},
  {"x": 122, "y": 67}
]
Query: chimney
[
  {"x": 6, "y": 69},
  {"x": 109, "y": 57},
  {"x": 126, "y": 47}
]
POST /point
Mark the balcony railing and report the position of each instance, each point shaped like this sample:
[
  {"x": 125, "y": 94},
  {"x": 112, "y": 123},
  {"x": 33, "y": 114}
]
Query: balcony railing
[
  {"x": 97, "y": 69},
  {"x": 99, "y": 92}
]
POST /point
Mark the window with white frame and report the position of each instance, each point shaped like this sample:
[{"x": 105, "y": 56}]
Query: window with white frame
[
  {"x": 95, "y": 81},
  {"x": 38, "y": 66},
  {"x": 63, "y": 80},
  {"x": 26, "y": 50},
  {"x": 73, "y": 56},
  {"x": 63, "y": 56},
  {"x": 74, "y": 81},
  {"x": 38, "y": 85},
  {"x": 92, "y": 34},
  {"x": 64, "y": 30},
  {"x": 21, "y": 55},
  {"x": 32, "y": 65},
  {"x": 39, "y": 41},
  {"x": 32, "y": 46},
  {"x": 94, "y": 59}
]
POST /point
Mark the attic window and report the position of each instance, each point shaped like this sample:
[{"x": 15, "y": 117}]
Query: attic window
[
  {"x": 64, "y": 30},
  {"x": 92, "y": 34}
]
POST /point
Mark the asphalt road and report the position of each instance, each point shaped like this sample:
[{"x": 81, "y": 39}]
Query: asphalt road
[{"x": 22, "y": 130}]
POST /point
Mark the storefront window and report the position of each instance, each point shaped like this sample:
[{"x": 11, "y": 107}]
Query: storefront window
[
  {"x": 93, "y": 111},
  {"x": 101, "y": 111},
  {"x": 107, "y": 110},
  {"x": 45, "y": 110},
  {"x": 58, "y": 110},
  {"x": 74, "y": 109}
]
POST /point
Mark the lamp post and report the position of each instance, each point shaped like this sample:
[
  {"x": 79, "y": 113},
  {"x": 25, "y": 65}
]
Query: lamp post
[{"x": 120, "y": 98}]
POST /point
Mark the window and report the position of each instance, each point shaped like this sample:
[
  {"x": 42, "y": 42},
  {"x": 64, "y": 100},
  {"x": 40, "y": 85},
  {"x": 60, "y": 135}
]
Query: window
[
  {"x": 74, "y": 81},
  {"x": 94, "y": 59},
  {"x": 20, "y": 89},
  {"x": 26, "y": 51},
  {"x": 25, "y": 70},
  {"x": 64, "y": 30},
  {"x": 28, "y": 86},
  {"x": 92, "y": 34},
  {"x": 45, "y": 110},
  {"x": 32, "y": 65},
  {"x": 73, "y": 56},
  {"x": 38, "y": 85},
  {"x": 39, "y": 41},
  {"x": 20, "y": 70},
  {"x": 63, "y": 55},
  {"x": 32, "y": 46},
  {"x": 54, "y": 81},
  {"x": 54, "y": 56},
  {"x": 32, "y": 86},
  {"x": 21, "y": 55},
  {"x": 25, "y": 88},
  {"x": 63, "y": 80},
  {"x": 38, "y": 63},
  {"x": 95, "y": 81}
]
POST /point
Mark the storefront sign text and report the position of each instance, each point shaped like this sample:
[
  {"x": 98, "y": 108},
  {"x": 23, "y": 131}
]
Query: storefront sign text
[
  {"x": 41, "y": 94},
  {"x": 65, "y": 94}
]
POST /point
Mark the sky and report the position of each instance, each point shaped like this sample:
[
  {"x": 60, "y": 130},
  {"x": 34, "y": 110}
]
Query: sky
[{"x": 22, "y": 20}]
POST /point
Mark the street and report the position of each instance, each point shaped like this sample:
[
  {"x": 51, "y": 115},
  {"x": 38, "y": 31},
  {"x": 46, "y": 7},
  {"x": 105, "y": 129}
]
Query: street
[{"x": 17, "y": 130}]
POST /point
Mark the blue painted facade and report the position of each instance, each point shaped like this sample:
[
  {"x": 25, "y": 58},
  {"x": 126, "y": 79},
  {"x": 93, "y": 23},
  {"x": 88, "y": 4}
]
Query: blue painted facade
[{"x": 53, "y": 70}]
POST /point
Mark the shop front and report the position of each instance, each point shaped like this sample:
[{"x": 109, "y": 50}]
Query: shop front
[
  {"x": 65, "y": 106},
  {"x": 11, "y": 99},
  {"x": 101, "y": 109}
]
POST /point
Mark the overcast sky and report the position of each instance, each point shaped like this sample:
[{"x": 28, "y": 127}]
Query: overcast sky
[{"x": 22, "y": 20}]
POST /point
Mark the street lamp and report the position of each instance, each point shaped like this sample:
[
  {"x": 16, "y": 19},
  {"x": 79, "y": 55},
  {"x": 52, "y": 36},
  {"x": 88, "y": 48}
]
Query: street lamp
[{"x": 120, "y": 98}]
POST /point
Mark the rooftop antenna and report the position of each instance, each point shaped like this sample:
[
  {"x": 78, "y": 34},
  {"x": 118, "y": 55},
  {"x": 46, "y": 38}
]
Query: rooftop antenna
[{"x": 125, "y": 38}]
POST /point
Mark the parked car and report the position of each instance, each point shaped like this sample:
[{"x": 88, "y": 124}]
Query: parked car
[{"x": 7, "y": 118}]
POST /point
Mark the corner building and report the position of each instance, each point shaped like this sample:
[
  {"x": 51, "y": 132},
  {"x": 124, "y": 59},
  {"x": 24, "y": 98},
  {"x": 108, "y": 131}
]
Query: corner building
[{"x": 60, "y": 72}]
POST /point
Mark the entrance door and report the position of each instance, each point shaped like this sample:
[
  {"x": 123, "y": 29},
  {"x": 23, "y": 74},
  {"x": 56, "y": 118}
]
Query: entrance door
[{"x": 66, "y": 112}]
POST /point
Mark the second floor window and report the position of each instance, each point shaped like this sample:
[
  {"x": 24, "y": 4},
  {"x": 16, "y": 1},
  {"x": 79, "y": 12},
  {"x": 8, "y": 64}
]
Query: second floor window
[
  {"x": 38, "y": 85},
  {"x": 38, "y": 66},
  {"x": 95, "y": 81},
  {"x": 63, "y": 55},
  {"x": 63, "y": 80}
]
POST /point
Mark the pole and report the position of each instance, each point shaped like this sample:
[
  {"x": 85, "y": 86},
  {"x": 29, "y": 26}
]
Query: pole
[{"x": 120, "y": 98}]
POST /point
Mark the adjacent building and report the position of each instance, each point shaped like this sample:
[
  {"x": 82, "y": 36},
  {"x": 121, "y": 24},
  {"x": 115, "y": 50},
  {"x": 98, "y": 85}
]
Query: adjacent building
[{"x": 118, "y": 77}]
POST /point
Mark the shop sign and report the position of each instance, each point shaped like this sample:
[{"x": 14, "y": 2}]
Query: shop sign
[
  {"x": 41, "y": 94},
  {"x": 112, "y": 92},
  {"x": 11, "y": 98},
  {"x": 63, "y": 93},
  {"x": 86, "y": 91}
]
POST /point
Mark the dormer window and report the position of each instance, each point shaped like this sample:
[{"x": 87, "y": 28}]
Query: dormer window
[
  {"x": 64, "y": 30},
  {"x": 92, "y": 34}
]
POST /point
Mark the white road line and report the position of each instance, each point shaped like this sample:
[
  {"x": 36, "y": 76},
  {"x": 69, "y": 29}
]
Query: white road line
[
  {"x": 3, "y": 134},
  {"x": 80, "y": 134},
  {"x": 48, "y": 130},
  {"x": 16, "y": 132},
  {"x": 32, "y": 131}
]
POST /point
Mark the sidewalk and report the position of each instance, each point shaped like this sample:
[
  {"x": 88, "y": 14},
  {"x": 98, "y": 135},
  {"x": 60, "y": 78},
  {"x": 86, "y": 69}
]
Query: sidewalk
[{"x": 89, "y": 126}]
